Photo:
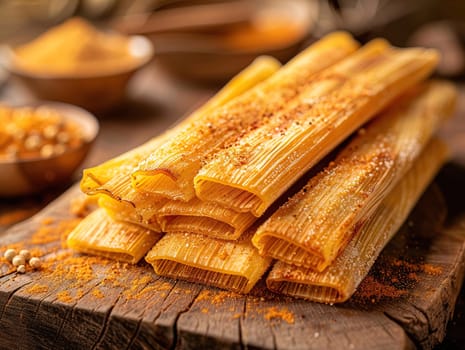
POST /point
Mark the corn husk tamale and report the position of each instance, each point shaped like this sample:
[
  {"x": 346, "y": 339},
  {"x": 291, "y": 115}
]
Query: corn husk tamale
[
  {"x": 339, "y": 281},
  {"x": 95, "y": 179},
  {"x": 251, "y": 174},
  {"x": 315, "y": 225},
  {"x": 205, "y": 218},
  {"x": 99, "y": 234},
  {"x": 232, "y": 265},
  {"x": 169, "y": 171}
]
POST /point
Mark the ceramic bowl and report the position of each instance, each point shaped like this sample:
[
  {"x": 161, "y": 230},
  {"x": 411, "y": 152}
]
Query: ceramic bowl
[
  {"x": 189, "y": 41},
  {"x": 94, "y": 92},
  {"x": 29, "y": 176}
]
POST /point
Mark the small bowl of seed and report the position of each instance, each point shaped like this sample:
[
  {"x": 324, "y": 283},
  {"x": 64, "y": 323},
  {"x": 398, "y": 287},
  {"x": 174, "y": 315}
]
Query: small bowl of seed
[{"x": 42, "y": 145}]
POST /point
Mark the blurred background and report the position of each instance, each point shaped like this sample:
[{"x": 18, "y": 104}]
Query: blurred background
[{"x": 209, "y": 40}]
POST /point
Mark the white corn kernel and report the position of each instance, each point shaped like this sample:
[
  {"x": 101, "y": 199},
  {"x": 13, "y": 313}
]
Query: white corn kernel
[
  {"x": 50, "y": 131},
  {"x": 9, "y": 254},
  {"x": 35, "y": 263},
  {"x": 26, "y": 254},
  {"x": 18, "y": 260},
  {"x": 33, "y": 142},
  {"x": 47, "y": 151}
]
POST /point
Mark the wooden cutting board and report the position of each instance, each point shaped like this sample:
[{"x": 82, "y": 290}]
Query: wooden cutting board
[{"x": 79, "y": 302}]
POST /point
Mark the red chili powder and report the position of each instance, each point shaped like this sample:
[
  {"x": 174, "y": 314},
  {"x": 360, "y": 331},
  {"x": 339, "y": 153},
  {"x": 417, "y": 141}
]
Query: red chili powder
[{"x": 392, "y": 278}]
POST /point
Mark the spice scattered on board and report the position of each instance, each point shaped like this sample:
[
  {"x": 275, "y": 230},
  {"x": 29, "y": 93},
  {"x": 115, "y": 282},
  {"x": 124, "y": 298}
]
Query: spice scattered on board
[
  {"x": 19, "y": 260},
  {"x": 392, "y": 278},
  {"x": 97, "y": 293},
  {"x": 54, "y": 231},
  {"x": 258, "y": 307},
  {"x": 37, "y": 289},
  {"x": 275, "y": 313},
  {"x": 42, "y": 249},
  {"x": 375, "y": 290},
  {"x": 216, "y": 297},
  {"x": 16, "y": 215},
  {"x": 66, "y": 275},
  {"x": 69, "y": 276}
]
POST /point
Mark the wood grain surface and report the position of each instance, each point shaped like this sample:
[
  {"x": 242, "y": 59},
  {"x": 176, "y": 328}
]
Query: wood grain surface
[{"x": 122, "y": 306}]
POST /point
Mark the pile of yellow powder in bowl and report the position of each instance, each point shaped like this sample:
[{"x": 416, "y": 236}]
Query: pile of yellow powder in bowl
[{"x": 75, "y": 48}]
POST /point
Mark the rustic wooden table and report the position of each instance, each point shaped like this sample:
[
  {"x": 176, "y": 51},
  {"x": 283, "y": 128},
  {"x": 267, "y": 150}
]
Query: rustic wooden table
[{"x": 155, "y": 102}]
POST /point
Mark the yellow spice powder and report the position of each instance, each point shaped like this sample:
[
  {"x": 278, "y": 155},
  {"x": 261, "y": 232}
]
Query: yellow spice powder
[{"x": 75, "y": 47}]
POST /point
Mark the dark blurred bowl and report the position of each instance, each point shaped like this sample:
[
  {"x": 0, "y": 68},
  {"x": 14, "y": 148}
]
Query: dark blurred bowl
[
  {"x": 29, "y": 176},
  {"x": 194, "y": 50},
  {"x": 94, "y": 92},
  {"x": 214, "y": 66}
]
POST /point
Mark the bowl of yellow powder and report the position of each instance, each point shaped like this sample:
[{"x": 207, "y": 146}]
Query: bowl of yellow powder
[{"x": 76, "y": 63}]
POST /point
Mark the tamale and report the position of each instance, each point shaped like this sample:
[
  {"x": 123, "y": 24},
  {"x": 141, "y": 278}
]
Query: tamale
[
  {"x": 251, "y": 174},
  {"x": 232, "y": 265},
  {"x": 112, "y": 177},
  {"x": 95, "y": 178},
  {"x": 98, "y": 234},
  {"x": 124, "y": 211},
  {"x": 169, "y": 171},
  {"x": 315, "y": 225},
  {"x": 205, "y": 218},
  {"x": 339, "y": 281}
]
